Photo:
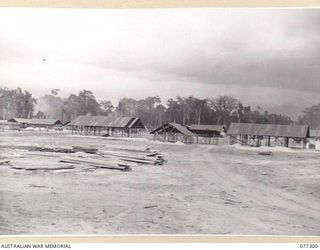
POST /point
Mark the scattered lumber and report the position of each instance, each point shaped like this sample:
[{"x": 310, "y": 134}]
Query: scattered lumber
[
  {"x": 140, "y": 161},
  {"x": 151, "y": 206},
  {"x": 85, "y": 158},
  {"x": 37, "y": 186},
  {"x": 99, "y": 164},
  {"x": 64, "y": 150},
  {"x": 45, "y": 154},
  {"x": 4, "y": 162},
  {"x": 265, "y": 153},
  {"x": 125, "y": 168},
  {"x": 53, "y": 150},
  {"x": 68, "y": 161},
  {"x": 86, "y": 150},
  {"x": 43, "y": 168},
  {"x": 153, "y": 154},
  {"x": 135, "y": 150},
  {"x": 156, "y": 159}
]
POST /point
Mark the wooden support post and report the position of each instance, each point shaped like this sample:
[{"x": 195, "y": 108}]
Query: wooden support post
[
  {"x": 286, "y": 141},
  {"x": 304, "y": 143}
]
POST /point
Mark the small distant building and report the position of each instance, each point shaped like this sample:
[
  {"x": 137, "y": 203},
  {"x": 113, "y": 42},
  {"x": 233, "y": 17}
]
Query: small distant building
[
  {"x": 315, "y": 134},
  {"x": 173, "y": 132},
  {"x": 35, "y": 123},
  {"x": 208, "y": 134},
  {"x": 269, "y": 134},
  {"x": 314, "y": 141},
  {"x": 103, "y": 125},
  {"x": 3, "y": 124}
]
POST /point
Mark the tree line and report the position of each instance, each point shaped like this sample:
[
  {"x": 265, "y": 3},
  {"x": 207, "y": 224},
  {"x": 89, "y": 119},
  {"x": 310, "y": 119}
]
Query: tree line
[{"x": 221, "y": 110}]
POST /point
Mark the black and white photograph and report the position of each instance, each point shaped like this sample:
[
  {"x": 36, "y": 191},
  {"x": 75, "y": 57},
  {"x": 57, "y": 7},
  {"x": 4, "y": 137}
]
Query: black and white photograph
[{"x": 167, "y": 121}]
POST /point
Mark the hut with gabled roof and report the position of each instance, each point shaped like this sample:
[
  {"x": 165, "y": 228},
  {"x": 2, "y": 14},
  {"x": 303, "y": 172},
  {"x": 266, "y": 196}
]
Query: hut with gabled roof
[
  {"x": 282, "y": 135},
  {"x": 104, "y": 125},
  {"x": 207, "y": 134},
  {"x": 34, "y": 122},
  {"x": 172, "y": 132}
]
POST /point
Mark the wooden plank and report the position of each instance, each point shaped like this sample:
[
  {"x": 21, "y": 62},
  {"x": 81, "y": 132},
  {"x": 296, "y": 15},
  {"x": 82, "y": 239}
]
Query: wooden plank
[
  {"x": 110, "y": 165},
  {"x": 4, "y": 162},
  {"x": 44, "y": 168},
  {"x": 138, "y": 161},
  {"x": 128, "y": 156},
  {"x": 86, "y": 150}
]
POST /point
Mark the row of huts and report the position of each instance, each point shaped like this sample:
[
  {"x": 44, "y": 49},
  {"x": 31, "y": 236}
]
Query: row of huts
[
  {"x": 85, "y": 125},
  {"x": 242, "y": 133},
  {"x": 251, "y": 134},
  {"x": 34, "y": 122}
]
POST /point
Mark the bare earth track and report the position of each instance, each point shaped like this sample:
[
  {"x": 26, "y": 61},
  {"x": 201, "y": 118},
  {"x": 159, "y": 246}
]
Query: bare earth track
[{"x": 200, "y": 190}]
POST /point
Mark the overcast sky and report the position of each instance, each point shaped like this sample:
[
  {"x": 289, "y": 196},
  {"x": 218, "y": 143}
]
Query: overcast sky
[{"x": 260, "y": 56}]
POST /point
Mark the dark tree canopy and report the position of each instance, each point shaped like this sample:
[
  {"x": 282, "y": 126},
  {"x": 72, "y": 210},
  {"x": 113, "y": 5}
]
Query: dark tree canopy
[
  {"x": 311, "y": 117},
  {"x": 221, "y": 110}
]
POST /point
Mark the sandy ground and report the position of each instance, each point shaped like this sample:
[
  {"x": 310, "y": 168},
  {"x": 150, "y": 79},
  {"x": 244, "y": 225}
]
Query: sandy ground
[{"x": 202, "y": 189}]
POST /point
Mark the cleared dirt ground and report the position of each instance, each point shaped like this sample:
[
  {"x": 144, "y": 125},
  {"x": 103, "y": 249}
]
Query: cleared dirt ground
[{"x": 202, "y": 189}]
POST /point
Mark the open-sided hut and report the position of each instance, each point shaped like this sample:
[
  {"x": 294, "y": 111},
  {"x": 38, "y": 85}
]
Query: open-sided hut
[
  {"x": 100, "y": 125},
  {"x": 272, "y": 134},
  {"x": 173, "y": 132},
  {"x": 35, "y": 123},
  {"x": 208, "y": 134}
]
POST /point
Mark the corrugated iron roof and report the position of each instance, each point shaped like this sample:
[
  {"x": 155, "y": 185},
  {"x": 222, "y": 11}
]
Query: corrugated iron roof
[
  {"x": 315, "y": 133},
  {"x": 35, "y": 121},
  {"x": 199, "y": 127},
  {"x": 104, "y": 121},
  {"x": 94, "y": 121},
  {"x": 119, "y": 122},
  {"x": 136, "y": 123},
  {"x": 294, "y": 131},
  {"x": 183, "y": 130}
]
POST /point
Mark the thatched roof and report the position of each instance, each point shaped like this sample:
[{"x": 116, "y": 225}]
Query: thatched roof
[{"x": 293, "y": 131}]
